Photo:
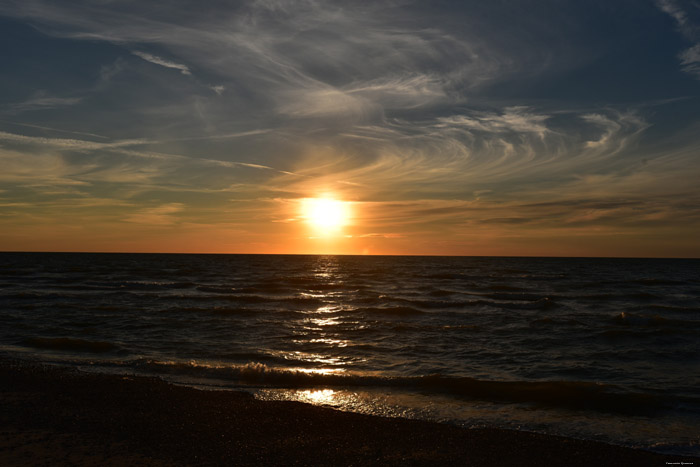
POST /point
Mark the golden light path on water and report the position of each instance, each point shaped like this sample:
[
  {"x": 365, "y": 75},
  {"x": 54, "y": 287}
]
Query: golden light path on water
[
  {"x": 366, "y": 402},
  {"x": 316, "y": 329}
]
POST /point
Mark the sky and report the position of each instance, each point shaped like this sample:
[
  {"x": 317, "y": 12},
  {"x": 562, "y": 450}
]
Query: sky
[{"x": 515, "y": 128}]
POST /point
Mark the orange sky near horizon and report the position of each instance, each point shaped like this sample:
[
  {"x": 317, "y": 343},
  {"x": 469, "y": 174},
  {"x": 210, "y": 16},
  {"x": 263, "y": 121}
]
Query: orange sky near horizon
[{"x": 288, "y": 231}]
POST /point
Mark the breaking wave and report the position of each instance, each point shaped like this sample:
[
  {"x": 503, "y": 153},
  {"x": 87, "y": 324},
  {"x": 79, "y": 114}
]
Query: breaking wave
[
  {"x": 578, "y": 395},
  {"x": 70, "y": 344}
]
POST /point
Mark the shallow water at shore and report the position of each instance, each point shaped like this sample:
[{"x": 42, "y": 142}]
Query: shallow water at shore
[
  {"x": 58, "y": 416},
  {"x": 601, "y": 349}
]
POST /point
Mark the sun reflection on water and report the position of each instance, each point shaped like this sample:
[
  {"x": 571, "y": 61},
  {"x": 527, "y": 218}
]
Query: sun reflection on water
[
  {"x": 320, "y": 371},
  {"x": 317, "y": 334},
  {"x": 318, "y": 396},
  {"x": 324, "y": 321},
  {"x": 340, "y": 399}
]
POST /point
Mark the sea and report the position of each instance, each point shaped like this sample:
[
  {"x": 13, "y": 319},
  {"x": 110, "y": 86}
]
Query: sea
[{"x": 593, "y": 348}]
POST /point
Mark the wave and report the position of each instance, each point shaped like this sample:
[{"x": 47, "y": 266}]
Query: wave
[
  {"x": 577, "y": 395},
  {"x": 300, "y": 301},
  {"x": 392, "y": 310},
  {"x": 216, "y": 310},
  {"x": 657, "y": 281},
  {"x": 503, "y": 287},
  {"x": 440, "y": 293},
  {"x": 631, "y": 319},
  {"x": 244, "y": 298},
  {"x": 534, "y": 302},
  {"x": 637, "y": 333},
  {"x": 515, "y": 296},
  {"x": 142, "y": 285},
  {"x": 34, "y": 296},
  {"x": 70, "y": 344},
  {"x": 81, "y": 287},
  {"x": 643, "y": 296},
  {"x": 542, "y": 303},
  {"x": 596, "y": 284},
  {"x": 445, "y": 275},
  {"x": 212, "y": 289},
  {"x": 265, "y": 289},
  {"x": 671, "y": 308}
]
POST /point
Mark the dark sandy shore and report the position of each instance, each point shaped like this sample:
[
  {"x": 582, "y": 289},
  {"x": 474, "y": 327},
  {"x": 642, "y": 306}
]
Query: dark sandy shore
[{"x": 55, "y": 416}]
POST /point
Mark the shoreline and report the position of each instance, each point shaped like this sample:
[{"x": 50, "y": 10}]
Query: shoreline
[{"x": 62, "y": 416}]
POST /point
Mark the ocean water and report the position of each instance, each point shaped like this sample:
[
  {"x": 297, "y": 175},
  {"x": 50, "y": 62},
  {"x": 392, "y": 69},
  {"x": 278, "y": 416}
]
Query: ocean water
[{"x": 603, "y": 349}]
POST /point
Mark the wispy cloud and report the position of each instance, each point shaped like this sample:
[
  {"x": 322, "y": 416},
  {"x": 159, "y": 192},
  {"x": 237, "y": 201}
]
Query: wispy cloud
[
  {"x": 690, "y": 60},
  {"x": 672, "y": 9},
  {"x": 512, "y": 119},
  {"x": 301, "y": 52},
  {"x": 402, "y": 91},
  {"x": 54, "y": 130},
  {"x": 184, "y": 69},
  {"x": 77, "y": 144},
  {"x": 164, "y": 214},
  {"x": 617, "y": 130},
  {"x": 690, "y": 57},
  {"x": 42, "y": 102},
  {"x": 75, "y": 161},
  {"x": 381, "y": 235},
  {"x": 219, "y": 89}
]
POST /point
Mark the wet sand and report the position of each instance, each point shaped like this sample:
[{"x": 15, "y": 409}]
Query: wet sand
[{"x": 53, "y": 416}]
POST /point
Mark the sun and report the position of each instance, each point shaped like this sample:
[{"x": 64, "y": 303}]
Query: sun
[{"x": 325, "y": 215}]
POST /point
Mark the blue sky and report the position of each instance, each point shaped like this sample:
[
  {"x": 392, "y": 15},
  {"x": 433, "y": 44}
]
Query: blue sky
[{"x": 514, "y": 128}]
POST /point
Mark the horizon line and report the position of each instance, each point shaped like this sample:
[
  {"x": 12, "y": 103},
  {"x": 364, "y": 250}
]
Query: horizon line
[{"x": 345, "y": 254}]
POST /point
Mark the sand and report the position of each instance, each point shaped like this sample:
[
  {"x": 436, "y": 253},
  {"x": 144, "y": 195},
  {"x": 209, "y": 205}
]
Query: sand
[{"x": 53, "y": 416}]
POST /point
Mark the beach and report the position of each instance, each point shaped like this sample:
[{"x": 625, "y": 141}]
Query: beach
[{"x": 61, "y": 416}]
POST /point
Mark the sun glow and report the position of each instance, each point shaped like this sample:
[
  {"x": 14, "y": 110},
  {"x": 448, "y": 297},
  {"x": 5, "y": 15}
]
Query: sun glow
[{"x": 325, "y": 215}]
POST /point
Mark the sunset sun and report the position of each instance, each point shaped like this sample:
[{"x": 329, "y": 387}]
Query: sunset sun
[{"x": 325, "y": 215}]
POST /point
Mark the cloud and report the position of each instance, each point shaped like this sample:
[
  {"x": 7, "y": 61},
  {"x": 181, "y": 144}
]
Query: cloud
[
  {"x": 518, "y": 119},
  {"x": 219, "y": 89},
  {"x": 162, "y": 62},
  {"x": 298, "y": 53},
  {"x": 56, "y": 130},
  {"x": 401, "y": 92},
  {"x": 42, "y": 102},
  {"x": 324, "y": 103},
  {"x": 234, "y": 135},
  {"x": 25, "y": 168},
  {"x": 690, "y": 60},
  {"x": 381, "y": 235},
  {"x": 616, "y": 131},
  {"x": 76, "y": 144},
  {"x": 690, "y": 57},
  {"x": 363, "y": 100},
  {"x": 164, "y": 214},
  {"x": 455, "y": 156},
  {"x": 58, "y": 161},
  {"x": 109, "y": 71},
  {"x": 669, "y": 7}
]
